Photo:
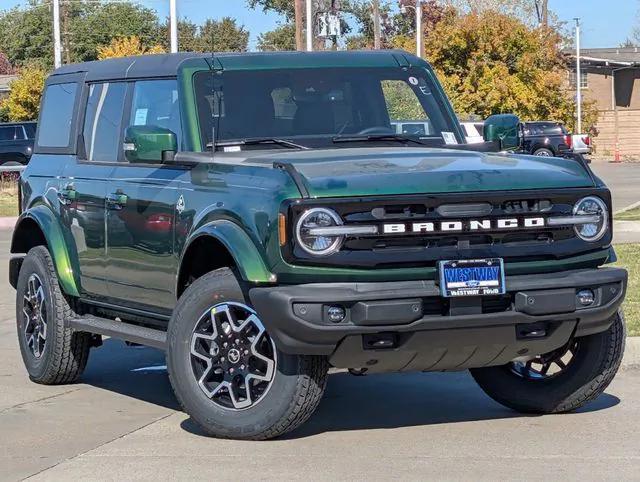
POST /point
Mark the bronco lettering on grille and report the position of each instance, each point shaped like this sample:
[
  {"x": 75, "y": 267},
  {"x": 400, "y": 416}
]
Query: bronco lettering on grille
[{"x": 473, "y": 225}]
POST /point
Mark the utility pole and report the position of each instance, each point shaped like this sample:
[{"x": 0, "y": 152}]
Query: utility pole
[
  {"x": 57, "y": 45},
  {"x": 578, "y": 77},
  {"x": 375, "y": 5},
  {"x": 299, "y": 11},
  {"x": 419, "y": 28},
  {"x": 173, "y": 21},
  {"x": 309, "y": 15},
  {"x": 542, "y": 9}
]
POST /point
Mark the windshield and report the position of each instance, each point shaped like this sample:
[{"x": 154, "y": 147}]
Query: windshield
[{"x": 313, "y": 107}]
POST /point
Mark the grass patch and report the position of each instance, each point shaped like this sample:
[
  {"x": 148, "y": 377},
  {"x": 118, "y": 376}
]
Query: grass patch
[
  {"x": 629, "y": 258},
  {"x": 8, "y": 200},
  {"x": 630, "y": 215}
]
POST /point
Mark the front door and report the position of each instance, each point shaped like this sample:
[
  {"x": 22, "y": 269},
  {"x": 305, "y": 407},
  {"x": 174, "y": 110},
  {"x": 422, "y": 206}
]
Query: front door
[{"x": 141, "y": 207}]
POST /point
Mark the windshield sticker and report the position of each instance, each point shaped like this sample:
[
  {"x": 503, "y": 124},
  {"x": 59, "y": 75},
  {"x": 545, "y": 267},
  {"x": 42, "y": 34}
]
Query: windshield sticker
[
  {"x": 449, "y": 138},
  {"x": 141, "y": 117},
  {"x": 413, "y": 81},
  {"x": 231, "y": 149}
]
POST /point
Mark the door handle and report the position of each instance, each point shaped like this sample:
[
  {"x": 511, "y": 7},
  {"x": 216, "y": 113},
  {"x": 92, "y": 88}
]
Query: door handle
[
  {"x": 67, "y": 195},
  {"x": 116, "y": 200}
]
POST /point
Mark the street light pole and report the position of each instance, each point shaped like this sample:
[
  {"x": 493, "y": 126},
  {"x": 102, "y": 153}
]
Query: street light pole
[
  {"x": 57, "y": 45},
  {"x": 578, "y": 77},
  {"x": 418, "y": 29},
  {"x": 173, "y": 21},
  {"x": 309, "y": 26}
]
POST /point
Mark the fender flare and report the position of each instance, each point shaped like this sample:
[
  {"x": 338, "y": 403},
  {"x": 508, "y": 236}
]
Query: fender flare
[
  {"x": 243, "y": 250},
  {"x": 46, "y": 220}
]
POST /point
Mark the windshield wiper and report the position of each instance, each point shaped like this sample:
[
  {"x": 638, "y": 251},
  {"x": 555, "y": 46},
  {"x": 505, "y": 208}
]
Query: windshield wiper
[
  {"x": 258, "y": 140},
  {"x": 376, "y": 137}
]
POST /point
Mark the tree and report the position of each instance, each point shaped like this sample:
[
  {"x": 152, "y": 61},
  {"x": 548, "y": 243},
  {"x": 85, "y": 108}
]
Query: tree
[
  {"x": 282, "y": 7},
  {"x": 24, "y": 97},
  {"x": 26, "y": 34},
  {"x": 493, "y": 63},
  {"x": 223, "y": 36},
  {"x": 126, "y": 46},
  {"x": 281, "y": 38}
]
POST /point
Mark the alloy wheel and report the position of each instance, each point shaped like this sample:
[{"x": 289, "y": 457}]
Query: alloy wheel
[
  {"x": 547, "y": 366},
  {"x": 232, "y": 356},
  {"x": 35, "y": 316}
]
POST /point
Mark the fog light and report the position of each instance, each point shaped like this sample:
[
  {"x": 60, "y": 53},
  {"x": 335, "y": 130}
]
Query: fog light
[
  {"x": 586, "y": 297},
  {"x": 336, "y": 314}
]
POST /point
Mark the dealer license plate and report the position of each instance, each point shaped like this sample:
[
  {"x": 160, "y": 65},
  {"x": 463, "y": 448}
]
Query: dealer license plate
[{"x": 472, "y": 277}]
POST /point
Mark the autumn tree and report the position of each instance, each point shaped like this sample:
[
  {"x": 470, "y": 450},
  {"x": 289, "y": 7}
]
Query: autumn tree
[
  {"x": 23, "y": 102},
  {"x": 126, "y": 46},
  {"x": 493, "y": 63}
]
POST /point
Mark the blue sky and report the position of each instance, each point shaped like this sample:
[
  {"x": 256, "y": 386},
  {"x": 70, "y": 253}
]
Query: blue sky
[{"x": 606, "y": 23}]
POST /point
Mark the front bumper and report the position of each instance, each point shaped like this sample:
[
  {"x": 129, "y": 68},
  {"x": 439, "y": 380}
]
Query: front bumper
[{"x": 407, "y": 325}]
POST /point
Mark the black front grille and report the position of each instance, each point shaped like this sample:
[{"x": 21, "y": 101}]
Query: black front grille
[{"x": 409, "y": 249}]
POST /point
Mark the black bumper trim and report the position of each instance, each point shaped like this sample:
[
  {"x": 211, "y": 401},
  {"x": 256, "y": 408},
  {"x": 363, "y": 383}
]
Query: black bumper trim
[{"x": 294, "y": 334}]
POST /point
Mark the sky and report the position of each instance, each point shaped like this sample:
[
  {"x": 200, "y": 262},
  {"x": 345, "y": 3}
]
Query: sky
[{"x": 605, "y": 23}]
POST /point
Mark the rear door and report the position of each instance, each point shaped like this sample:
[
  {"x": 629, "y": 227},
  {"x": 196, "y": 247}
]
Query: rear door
[
  {"x": 141, "y": 266},
  {"x": 83, "y": 189}
]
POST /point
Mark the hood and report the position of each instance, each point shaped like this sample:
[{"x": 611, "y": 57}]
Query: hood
[{"x": 384, "y": 171}]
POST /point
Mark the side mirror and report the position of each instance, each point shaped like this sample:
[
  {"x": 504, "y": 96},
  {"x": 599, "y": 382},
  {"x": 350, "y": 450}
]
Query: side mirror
[
  {"x": 150, "y": 144},
  {"x": 504, "y": 129}
]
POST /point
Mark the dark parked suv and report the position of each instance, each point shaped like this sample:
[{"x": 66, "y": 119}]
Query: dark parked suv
[
  {"x": 16, "y": 142},
  {"x": 547, "y": 139},
  {"x": 259, "y": 217}
]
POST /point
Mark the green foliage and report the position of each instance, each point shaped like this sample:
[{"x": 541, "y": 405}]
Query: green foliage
[
  {"x": 491, "y": 63},
  {"x": 281, "y": 38},
  {"x": 401, "y": 101},
  {"x": 223, "y": 36},
  {"x": 26, "y": 36},
  {"x": 282, "y": 7}
]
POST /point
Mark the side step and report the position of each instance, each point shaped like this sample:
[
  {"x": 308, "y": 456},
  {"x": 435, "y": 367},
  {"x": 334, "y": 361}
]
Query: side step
[{"x": 121, "y": 331}]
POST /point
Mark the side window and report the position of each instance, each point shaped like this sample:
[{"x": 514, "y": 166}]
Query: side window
[
  {"x": 57, "y": 115},
  {"x": 403, "y": 105},
  {"x": 7, "y": 133},
  {"x": 103, "y": 121},
  {"x": 155, "y": 103},
  {"x": 30, "y": 129}
]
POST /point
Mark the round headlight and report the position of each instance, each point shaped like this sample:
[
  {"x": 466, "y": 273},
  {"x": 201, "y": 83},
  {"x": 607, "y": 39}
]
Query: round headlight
[
  {"x": 318, "y": 245},
  {"x": 593, "y": 206}
]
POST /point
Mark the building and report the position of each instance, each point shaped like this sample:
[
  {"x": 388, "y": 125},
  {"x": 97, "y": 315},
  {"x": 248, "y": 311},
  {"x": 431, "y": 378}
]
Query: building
[
  {"x": 4, "y": 84},
  {"x": 611, "y": 78}
]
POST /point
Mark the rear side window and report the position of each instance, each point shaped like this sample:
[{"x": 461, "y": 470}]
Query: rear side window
[
  {"x": 7, "y": 133},
  {"x": 103, "y": 121},
  {"x": 30, "y": 129},
  {"x": 57, "y": 115}
]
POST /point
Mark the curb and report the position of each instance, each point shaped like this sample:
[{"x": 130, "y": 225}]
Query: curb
[
  {"x": 631, "y": 353},
  {"x": 8, "y": 222}
]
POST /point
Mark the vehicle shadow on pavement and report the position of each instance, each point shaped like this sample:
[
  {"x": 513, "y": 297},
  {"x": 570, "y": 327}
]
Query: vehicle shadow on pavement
[
  {"x": 350, "y": 402},
  {"x": 133, "y": 371},
  {"x": 404, "y": 400}
]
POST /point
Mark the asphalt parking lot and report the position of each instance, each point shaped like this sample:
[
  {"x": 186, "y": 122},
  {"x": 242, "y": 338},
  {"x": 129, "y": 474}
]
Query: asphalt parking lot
[{"x": 122, "y": 423}]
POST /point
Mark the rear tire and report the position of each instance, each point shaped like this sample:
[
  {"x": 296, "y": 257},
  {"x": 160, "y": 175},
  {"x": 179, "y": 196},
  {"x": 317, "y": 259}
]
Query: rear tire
[
  {"x": 543, "y": 152},
  {"x": 589, "y": 372},
  {"x": 254, "y": 392},
  {"x": 53, "y": 353}
]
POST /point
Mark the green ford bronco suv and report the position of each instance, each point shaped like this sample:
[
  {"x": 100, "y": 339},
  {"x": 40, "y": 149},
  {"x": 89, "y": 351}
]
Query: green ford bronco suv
[{"x": 259, "y": 217}]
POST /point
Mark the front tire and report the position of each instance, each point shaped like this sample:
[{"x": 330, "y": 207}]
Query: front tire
[
  {"x": 53, "y": 353},
  {"x": 561, "y": 381},
  {"x": 227, "y": 373}
]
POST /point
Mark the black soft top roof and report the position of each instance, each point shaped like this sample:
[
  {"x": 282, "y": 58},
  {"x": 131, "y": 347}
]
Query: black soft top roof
[{"x": 166, "y": 65}]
